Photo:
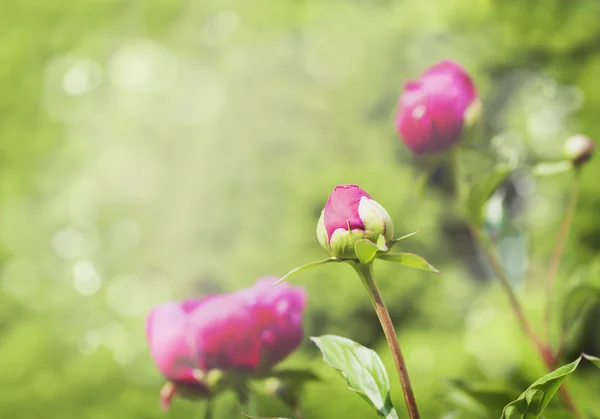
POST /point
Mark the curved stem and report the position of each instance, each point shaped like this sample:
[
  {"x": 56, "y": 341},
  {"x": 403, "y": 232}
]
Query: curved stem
[
  {"x": 365, "y": 271},
  {"x": 559, "y": 247},
  {"x": 543, "y": 350}
]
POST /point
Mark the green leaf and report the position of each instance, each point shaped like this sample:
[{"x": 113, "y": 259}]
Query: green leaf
[
  {"x": 409, "y": 259},
  {"x": 552, "y": 168},
  {"x": 406, "y": 236},
  {"x": 478, "y": 400},
  {"x": 365, "y": 250},
  {"x": 593, "y": 359},
  {"x": 257, "y": 417},
  {"x": 305, "y": 267},
  {"x": 578, "y": 300},
  {"x": 481, "y": 191},
  {"x": 531, "y": 404},
  {"x": 363, "y": 370}
]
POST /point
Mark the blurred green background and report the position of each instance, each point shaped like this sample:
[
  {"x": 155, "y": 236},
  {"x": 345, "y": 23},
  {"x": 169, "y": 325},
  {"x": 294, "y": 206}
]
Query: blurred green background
[{"x": 157, "y": 149}]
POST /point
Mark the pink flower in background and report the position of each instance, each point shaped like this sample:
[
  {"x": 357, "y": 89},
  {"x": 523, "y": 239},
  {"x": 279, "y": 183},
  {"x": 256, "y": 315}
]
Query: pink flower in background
[
  {"x": 249, "y": 330},
  {"x": 350, "y": 214},
  {"x": 434, "y": 110}
]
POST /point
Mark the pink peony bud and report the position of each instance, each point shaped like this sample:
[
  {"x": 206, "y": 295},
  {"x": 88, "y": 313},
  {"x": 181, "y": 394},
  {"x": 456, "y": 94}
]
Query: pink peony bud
[
  {"x": 249, "y": 330},
  {"x": 350, "y": 214},
  {"x": 435, "y": 111}
]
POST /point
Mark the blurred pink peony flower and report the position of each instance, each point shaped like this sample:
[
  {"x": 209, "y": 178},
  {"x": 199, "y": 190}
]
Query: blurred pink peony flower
[
  {"x": 350, "y": 214},
  {"x": 247, "y": 331},
  {"x": 434, "y": 111}
]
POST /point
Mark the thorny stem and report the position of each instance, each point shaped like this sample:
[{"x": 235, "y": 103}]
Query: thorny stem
[
  {"x": 543, "y": 350},
  {"x": 365, "y": 271},
  {"x": 559, "y": 247}
]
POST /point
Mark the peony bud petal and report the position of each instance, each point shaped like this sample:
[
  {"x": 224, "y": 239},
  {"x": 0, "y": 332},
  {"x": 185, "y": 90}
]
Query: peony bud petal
[
  {"x": 322, "y": 233},
  {"x": 376, "y": 219}
]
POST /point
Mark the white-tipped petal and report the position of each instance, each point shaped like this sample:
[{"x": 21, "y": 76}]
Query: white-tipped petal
[
  {"x": 375, "y": 218},
  {"x": 322, "y": 233}
]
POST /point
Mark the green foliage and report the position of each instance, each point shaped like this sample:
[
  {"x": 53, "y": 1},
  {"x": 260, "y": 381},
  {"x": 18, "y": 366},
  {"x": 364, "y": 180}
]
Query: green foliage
[
  {"x": 302, "y": 268},
  {"x": 409, "y": 259},
  {"x": 593, "y": 359},
  {"x": 363, "y": 370},
  {"x": 532, "y": 403},
  {"x": 480, "y": 192},
  {"x": 213, "y": 174},
  {"x": 406, "y": 236},
  {"x": 476, "y": 400},
  {"x": 366, "y": 250}
]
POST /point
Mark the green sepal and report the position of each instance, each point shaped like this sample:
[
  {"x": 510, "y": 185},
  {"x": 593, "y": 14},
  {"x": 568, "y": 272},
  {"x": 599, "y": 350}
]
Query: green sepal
[
  {"x": 406, "y": 236},
  {"x": 365, "y": 250},
  {"x": 409, "y": 259},
  {"x": 381, "y": 244},
  {"x": 305, "y": 267}
]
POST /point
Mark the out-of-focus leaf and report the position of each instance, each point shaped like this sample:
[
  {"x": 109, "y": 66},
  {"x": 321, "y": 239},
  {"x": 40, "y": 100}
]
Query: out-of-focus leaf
[
  {"x": 532, "y": 403},
  {"x": 481, "y": 402},
  {"x": 578, "y": 301},
  {"x": 593, "y": 359},
  {"x": 294, "y": 374},
  {"x": 552, "y": 168},
  {"x": 481, "y": 191},
  {"x": 556, "y": 414},
  {"x": 258, "y": 417},
  {"x": 287, "y": 385},
  {"x": 512, "y": 249},
  {"x": 410, "y": 260},
  {"x": 363, "y": 370}
]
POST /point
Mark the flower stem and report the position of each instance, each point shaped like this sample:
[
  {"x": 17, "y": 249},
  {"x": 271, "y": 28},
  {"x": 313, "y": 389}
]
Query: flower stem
[
  {"x": 543, "y": 350},
  {"x": 208, "y": 412},
  {"x": 559, "y": 247},
  {"x": 365, "y": 272}
]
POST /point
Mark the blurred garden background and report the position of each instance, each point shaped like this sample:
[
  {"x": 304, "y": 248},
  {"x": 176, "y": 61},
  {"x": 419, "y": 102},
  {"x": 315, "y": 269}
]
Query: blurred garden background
[{"x": 158, "y": 149}]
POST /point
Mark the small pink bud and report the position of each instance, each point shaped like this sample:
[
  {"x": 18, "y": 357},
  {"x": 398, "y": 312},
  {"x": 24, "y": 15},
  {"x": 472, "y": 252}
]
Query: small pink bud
[
  {"x": 579, "y": 149},
  {"x": 434, "y": 111},
  {"x": 350, "y": 214}
]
